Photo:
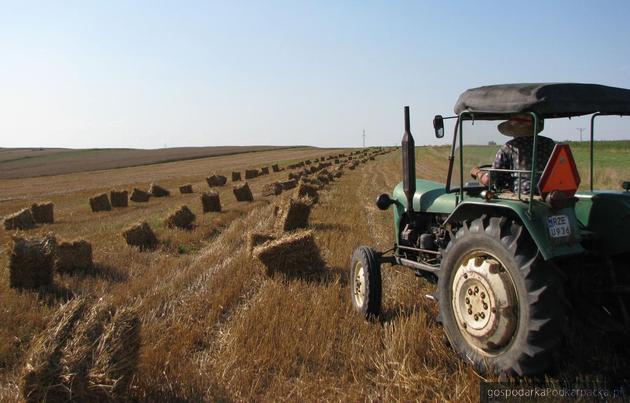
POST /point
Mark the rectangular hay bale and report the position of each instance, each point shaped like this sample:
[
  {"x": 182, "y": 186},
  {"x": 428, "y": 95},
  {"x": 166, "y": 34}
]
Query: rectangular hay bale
[
  {"x": 100, "y": 203},
  {"x": 119, "y": 198},
  {"x": 139, "y": 196},
  {"x": 186, "y": 189},
  {"x": 243, "y": 192},
  {"x": 294, "y": 214},
  {"x": 23, "y": 219},
  {"x": 73, "y": 256},
  {"x": 140, "y": 235},
  {"x": 210, "y": 201},
  {"x": 236, "y": 176},
  {"x": 31, "y": 261},
  {"x": 43, "y": 213},
  {"x": 292, "y": 254}
]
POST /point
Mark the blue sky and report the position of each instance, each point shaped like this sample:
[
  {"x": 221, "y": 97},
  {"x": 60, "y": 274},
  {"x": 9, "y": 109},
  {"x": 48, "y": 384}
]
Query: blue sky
[{"x": 149, "y": 74}]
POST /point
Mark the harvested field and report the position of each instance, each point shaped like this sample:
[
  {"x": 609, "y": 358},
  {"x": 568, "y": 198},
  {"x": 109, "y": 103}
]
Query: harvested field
[{"x": 215, "y": 329}]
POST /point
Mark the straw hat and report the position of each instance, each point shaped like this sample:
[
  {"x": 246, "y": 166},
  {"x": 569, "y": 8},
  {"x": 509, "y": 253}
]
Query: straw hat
[{"x": 520, "y": 126}]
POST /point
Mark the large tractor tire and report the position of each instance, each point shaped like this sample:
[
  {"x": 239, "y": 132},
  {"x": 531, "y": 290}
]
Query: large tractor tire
[
  {"x": 502, "y": 306},
  {"x": 365, "y": 282}
]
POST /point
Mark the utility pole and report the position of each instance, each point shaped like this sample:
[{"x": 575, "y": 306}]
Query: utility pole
[
  {"x": 363, "y": 138},
  {"x": 580, "y": 129}
]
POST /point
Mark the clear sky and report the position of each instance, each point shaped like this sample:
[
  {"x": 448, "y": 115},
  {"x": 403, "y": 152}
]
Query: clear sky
[{"x": 187, "y": 73}]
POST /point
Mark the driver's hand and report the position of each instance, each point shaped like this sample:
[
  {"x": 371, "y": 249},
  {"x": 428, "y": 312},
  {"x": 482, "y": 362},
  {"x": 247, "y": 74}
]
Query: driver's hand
[{"x": 474, "y": 172}]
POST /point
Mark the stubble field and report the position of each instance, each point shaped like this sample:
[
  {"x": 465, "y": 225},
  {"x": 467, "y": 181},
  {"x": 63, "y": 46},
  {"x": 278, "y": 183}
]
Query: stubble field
[{"x": 215, "y": 327}]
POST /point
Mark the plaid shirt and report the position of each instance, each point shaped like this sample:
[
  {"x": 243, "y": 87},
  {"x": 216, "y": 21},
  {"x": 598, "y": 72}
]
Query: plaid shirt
[{"x": 517, "y": 154}]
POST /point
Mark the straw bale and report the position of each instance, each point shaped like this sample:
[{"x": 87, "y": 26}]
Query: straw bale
[
  {"x": 338, "y": 173},
  {"x": 23, "y": 219},
  {"x": 140, "y": 235},
  {"x": 210, "y": 202},
  {"x": 236, "y": 176},
  {"x": 324, "y": 179},
  {"x": 185, "y": 189},
  {"x": 158, "y": 191},
  {"x": 295, "y": 175},
  {"x": 43, "y": 213},
  {"x": 100, "y": 203},
  {"x": 251, "y": 173},
  {"x": 243, "y": 192},
  {"x": 336, "y": 160},
  {"x": 294, "y": 214},
  {"x": 275, "y": 168},
  {"x": 258, "y": 238},
  {"x": 264, "y": 171},
  {"x": 31, "y": 261},
  {"x": 180, "y": 218},
  {"x": 308, "y": 162},
  {"x": 119, "y": 198},
  {"x": 272, "y": 189},
  {"x": 292, "y": 254},
  {"x": 372, "y": 158},
  {"x": 139, "y": 196},
  {"x": 306, "y": 190},
  {"x": 216, "y": 180},
  {"x": 41, "y": 379},
  {"x": 290, "y": 184},
  {"x": 73, "y": 256}
]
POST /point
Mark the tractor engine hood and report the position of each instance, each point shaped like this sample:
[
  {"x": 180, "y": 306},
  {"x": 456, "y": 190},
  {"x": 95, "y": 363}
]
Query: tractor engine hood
[
  {"x": 607, "y": 215},
  {"x": 429, "y": 197}
]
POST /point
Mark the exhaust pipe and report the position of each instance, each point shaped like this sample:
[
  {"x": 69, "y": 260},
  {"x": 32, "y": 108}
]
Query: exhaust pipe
[{"x": 409, "y": 163}]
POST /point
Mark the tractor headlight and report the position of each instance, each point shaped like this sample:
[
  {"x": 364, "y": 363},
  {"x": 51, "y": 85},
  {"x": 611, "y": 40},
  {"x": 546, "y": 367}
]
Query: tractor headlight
[{"x": 383, "y": 201}]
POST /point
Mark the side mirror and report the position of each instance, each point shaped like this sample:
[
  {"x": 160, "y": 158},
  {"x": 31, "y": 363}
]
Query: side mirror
[{"x": 438, "y": 126}]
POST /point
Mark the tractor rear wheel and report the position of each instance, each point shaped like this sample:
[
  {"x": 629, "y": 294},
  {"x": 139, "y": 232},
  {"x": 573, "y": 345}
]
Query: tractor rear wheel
[
  {"x": 502, "y": 305},
  {"x": 365, "y": 282}
]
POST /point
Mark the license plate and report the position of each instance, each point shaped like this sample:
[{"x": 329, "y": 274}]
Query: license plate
[{"x": 558, "y": 226}]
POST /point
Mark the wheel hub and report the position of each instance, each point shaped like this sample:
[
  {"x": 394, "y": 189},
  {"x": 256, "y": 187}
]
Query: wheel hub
[
  {"x": 485, "y": 303},
  {"x": 359, "y": 283}
]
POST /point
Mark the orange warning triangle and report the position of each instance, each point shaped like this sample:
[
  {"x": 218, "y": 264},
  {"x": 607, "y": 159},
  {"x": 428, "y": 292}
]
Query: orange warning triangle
[{"x": 560, "y": 173}]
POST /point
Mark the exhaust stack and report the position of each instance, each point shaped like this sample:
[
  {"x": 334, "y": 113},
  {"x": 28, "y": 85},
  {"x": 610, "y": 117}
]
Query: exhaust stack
[{"x": 409, "y": 163}]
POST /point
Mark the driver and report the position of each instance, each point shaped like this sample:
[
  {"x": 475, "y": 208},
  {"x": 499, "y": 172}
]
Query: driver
[{"x": 517, "y": 154}]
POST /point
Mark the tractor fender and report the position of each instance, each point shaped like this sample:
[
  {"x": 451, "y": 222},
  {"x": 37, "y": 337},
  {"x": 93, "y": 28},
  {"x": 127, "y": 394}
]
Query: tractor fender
[{"x": 536, "y": 225}]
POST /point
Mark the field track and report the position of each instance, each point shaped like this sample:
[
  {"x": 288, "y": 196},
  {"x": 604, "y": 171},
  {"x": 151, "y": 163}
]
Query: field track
[{"x": 215, "y": 328}]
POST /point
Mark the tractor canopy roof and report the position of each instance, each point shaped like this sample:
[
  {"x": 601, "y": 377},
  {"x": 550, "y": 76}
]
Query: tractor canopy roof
[{"x": 548, "y": 100}]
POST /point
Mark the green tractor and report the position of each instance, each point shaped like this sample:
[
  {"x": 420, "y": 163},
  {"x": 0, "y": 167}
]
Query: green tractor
[{"x": 510, "y": 266}]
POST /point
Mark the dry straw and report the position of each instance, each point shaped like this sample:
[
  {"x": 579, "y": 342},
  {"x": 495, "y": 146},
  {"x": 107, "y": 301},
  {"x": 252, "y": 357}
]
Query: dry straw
[
  {"x": 293, "y": 254},
  {"x": 306, "y": 190},
  {"x": 210, "y": 202},
  {"x": 23, "y": 219},
  {"x": 272, "y": 189},
  {"x": 158, "y": 191},
  {"x": 255, "y": 239},
  {"x": 294, "y": 214},
  {"x": 139, "y": 196},
  {"x": 100, "y": 203},
  {"x": 141, "y": 235},
  {"x": 87, "y": 353},
  {"x": 73, "y": 256},
  {"x": 43, "y": 213},
  {"x": 243, "y": 192},
  {"x": 119, "y": 198},
  {"x": 251, "y": 173},
  {"x": 185, "y": 189},
  {"x": 181, "y": 218},
  {"x": 290, "y": 184},
  {"x": 31, "y": 261},
  {"x": 216, "y": 180}
]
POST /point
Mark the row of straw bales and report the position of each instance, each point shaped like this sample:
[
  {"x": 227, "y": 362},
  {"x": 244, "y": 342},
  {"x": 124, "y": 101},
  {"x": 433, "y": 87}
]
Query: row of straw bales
[
  {"x": 33, "y": 261},
  {"x": 28, "y": 218}
]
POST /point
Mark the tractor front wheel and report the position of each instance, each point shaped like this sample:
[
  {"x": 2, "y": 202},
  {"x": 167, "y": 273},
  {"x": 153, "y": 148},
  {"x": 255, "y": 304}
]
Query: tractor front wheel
[
  {"x": 365, "y": 282},
  {"x": 501, "y": 304}
]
